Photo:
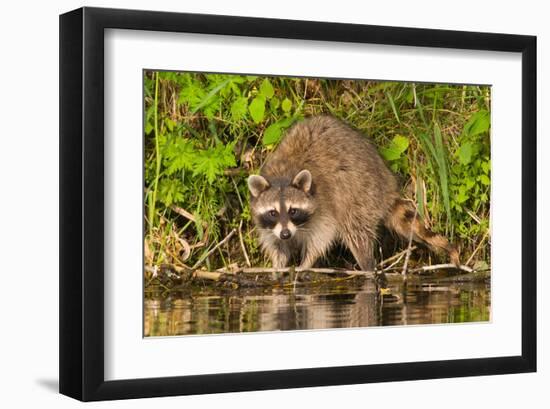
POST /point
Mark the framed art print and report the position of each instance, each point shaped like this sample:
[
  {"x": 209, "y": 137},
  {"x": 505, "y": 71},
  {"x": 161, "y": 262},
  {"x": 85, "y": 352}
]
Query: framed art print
[{"x": 256, "y": 204}]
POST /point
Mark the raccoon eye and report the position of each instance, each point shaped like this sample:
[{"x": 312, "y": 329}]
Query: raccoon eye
[
  {"x": 272, "y": 213},
  {"x": 292, "y": 211}
]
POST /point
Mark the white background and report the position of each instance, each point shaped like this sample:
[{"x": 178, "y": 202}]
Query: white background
[
  {"x": 29, "y": 181},
  {"x": 127, "y": 52}
]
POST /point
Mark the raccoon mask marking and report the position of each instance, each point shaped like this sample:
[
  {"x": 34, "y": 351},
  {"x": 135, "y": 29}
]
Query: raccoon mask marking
[{"x": 282, "y": 206}]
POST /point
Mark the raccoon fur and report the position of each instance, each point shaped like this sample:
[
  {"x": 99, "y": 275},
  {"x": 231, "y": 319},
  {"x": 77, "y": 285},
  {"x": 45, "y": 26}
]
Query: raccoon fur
[{"x": 325, "y": 184}]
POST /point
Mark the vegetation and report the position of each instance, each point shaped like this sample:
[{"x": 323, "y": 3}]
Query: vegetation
[{"x": 205, "y": 133}]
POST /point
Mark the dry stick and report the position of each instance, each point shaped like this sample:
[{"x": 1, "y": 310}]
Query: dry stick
[
  {"x": 406, "y": 263},
  {"x": 183, "y": 212},
  {"x": 436, "y": 267},
  {"x": 267, "y": 270},
  {"x": 213, "y": 249},
  {"x": 478, "y": 247},
  {"x": 207, "y": 275},
  {"x": 242, "y": 245},
  {"x": 442, "y": 267},
  {"x": 397, "y": 256},
  {"x": 394, "y": 263}
]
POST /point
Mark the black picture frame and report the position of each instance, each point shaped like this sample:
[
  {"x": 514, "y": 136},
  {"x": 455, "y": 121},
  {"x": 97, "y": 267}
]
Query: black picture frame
[{"x": 82, "y": 200}]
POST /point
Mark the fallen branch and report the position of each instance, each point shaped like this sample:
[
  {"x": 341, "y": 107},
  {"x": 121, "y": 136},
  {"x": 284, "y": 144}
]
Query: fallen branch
[
  {"x": 443, "y": 267},
  {"x": 270, "y": 270},
  {"x": 438, "y": 267}
]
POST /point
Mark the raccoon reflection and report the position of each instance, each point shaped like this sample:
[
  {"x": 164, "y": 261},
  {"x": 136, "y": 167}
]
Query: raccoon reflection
[{"x": 326, "y": 183}]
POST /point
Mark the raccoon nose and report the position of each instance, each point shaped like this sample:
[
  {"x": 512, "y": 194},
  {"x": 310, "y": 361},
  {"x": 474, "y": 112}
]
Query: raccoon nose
[{"x": 285, "y": 234}]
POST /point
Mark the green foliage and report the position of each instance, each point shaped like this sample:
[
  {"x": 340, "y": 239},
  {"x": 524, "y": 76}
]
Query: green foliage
[
  {"x": 211, "y": 162},
  {"x": 395, "y": 153},
  {"x": 470, "y": 176},
  {"x": 204, "y": 133},
  {"x": 257, "y": 109},
  {"x": 274, "y": 132}
]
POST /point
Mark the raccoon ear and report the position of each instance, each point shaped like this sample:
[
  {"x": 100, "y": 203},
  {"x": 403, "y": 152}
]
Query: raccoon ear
[
  {"x": 302, "y": 180},
  {"x": 257, "y": 184}
]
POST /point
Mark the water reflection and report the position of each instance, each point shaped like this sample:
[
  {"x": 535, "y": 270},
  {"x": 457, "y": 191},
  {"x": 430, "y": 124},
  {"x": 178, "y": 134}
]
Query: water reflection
[{"x": 280, "y": 309}]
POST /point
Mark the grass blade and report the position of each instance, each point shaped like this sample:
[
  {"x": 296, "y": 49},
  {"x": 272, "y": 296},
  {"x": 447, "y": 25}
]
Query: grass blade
[
  {"x": 392, "y": 104},
  {"x": 208, "y": 96},
  {"x": 442, "y": 169}
]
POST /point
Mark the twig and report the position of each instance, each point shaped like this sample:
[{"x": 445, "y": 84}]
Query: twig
[
  {"x": 441, "y": 267},
  {"x": 473, "y": 216},
  {"x": 213, "y": 249},
  {"x": 478, "y": 247},
  {"x": 207, "y": 275},
  {"x": 183, "y": 212},
  {"x": 242, "y": 245},
  {"x": 395, "y": 256}
]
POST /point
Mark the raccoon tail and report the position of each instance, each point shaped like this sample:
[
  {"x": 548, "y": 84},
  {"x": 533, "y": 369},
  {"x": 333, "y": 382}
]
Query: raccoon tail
[{"x": 403, "y": 219}]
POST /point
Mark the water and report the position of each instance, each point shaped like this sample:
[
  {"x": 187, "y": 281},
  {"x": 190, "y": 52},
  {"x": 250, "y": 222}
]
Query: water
[{"x": 213, "y": 311}]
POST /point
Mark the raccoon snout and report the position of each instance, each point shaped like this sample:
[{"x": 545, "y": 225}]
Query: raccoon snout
[{"x": 285, "y": 234}]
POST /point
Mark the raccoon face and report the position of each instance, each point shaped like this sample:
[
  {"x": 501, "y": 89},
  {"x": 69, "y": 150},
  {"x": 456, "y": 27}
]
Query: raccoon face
[{"x": 282, "y": 206}]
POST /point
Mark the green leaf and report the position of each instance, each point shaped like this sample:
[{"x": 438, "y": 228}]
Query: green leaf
[
  {"x": 257, "y": 109},
  {"x": 274, "y": 131},
  {"x": 212, "y": 162},
  {"x": 272, "y": 134},
  {"x": 266, "y": 89},
  {"x": 170, "y": 191},
  {"x": 274, "y": 104},
  {"x": 178, "y": 154},
  {"x": 478, "y": 123},
  {"x": 286, "y": 105},
  {"x": 191, "y": 92},
  {"x": 390, "y": 154},
  {"x": 208, "y": 99},
  {"x": 401, "y": 143},
  {"x": 148, "y": 128},
  {"x": 398, "y": 146},
  {"x": 486, "y": 166},
  {"x": 239, "y": 108},
  {"x": 169, "y": 124},
  {"x": 462, "y": 195},
  {"x": 485, "y": 180},
  {"x": 465, "y": 153}
]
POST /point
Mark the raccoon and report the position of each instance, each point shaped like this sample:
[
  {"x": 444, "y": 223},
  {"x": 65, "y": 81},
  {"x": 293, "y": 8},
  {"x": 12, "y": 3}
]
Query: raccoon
[{"x": 326, "y": 184}]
